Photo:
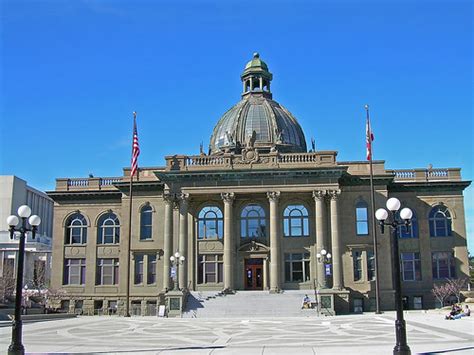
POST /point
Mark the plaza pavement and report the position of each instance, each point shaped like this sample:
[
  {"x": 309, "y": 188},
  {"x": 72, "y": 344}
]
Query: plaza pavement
[{"x": 428, "y": 333}]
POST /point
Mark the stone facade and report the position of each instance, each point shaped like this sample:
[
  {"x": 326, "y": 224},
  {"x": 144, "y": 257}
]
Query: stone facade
[{"x": 254, "y": 215}]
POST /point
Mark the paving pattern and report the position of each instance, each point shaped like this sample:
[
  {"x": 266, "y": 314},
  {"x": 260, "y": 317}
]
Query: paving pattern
[{"x": 371, "y": 333}]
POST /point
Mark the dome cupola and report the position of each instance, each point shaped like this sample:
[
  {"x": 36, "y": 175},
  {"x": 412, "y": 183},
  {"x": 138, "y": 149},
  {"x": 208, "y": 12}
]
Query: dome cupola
[
  {"x": 256, "y": 77},
  {"x": 257, "y": 120}
]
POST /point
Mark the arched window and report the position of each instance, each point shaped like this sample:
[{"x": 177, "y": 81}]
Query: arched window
[
  {"x": 108, "y": 229},
  {"x": 146, "y": 222},
  {"x": 210, "y": 223},
  {"x": 408, "y": 232},
  {"x": 362, "y": 218},
  {"x": 295, "y": 221},
  {"x": 76, "y": 229},
  {"x": 252, "y": 222},
  {"x": 440, "y": 222}
]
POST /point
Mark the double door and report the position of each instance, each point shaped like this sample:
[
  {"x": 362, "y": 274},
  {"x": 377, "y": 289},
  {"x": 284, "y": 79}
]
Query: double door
[{"x": 254, "y": 274}]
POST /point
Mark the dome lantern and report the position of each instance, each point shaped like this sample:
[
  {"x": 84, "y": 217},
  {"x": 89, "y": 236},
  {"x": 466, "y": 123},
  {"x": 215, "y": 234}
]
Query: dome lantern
[{"x": 256, "y": 78}]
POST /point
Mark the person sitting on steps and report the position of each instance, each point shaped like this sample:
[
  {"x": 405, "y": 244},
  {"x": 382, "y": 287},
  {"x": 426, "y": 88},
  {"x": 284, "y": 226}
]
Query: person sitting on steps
[{"x": 306, "y": 302}]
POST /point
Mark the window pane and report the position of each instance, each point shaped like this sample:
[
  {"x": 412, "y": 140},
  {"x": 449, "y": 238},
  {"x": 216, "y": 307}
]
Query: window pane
[
  {"x": 361, "y": 213},
  {"x": 287, "y": 271},
  {"x": 286, "y": 224},
  {"x": 362, "y": 228}
]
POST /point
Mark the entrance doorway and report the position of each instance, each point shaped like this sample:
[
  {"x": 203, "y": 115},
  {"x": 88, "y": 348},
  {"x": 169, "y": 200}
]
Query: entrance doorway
[{"x": 254, "y": 274}]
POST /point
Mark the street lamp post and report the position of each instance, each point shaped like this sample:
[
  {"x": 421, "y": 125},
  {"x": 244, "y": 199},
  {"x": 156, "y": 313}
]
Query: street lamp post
[
  {"x": 324, "y": 258},
  {"x": 393, "y": 205},
  {"x": 176, "y": 260},
  {"x": 16, "y": 347}
]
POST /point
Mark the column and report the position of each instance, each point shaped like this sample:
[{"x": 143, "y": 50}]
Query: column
[
  {"x": 229, "y": 243},
  {"x": 244, "y": 84},
  {"x": 168, "y": 239},
  {"x": 274, "y": 242},
  {"x": 183, "y": 239},
  {"x": 320, "y": 218},
  {"x": 261, "y": 83},
  {"x": 251, "y": 83},
  {"x": 265, "y": 273},
  {"x": 336, "y": 241}
]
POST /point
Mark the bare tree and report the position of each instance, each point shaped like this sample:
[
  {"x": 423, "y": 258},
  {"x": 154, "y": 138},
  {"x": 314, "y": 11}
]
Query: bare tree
[
  {"x": 455, "y": 286},
  {"x": 7, "y": 282},
  {"x": 441, "y": 292},
  {"x": 38, "y": 285}
]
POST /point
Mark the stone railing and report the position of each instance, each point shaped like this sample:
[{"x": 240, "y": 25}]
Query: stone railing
[
  {"x": 253, "y": 160},
  {"x": 94, "y": 183},
  {"x": 448, "y": 174}
]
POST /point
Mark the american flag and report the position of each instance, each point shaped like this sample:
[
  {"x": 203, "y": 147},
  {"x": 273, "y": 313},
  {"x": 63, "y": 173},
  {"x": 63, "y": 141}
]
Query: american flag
[
  {"x": 135, "y": 147},
  {"x": 369, "y": 136}
]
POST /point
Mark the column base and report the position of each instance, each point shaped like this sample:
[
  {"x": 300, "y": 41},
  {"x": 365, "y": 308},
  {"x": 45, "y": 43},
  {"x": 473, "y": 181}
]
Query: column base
[
  {"x": 228, "y": 291},
  {"x": 275, "y": 290}
]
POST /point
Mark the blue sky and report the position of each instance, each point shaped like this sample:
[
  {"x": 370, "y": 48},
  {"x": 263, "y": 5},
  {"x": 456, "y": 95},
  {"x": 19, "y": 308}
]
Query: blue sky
[{"x": 73, "y": 71}]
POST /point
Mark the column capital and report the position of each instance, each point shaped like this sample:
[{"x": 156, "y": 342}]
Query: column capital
[
  {"x": 183, "y": 198},
  {"x": 228, "y": 197},
  {"x": 319, "y": 195},
  {"x": 334, "y": 194},
  {"x": 169, "y": 197},
  {"x": 273, "y": 196}
]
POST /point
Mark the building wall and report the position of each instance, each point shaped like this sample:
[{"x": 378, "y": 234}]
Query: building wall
[{"x": 420, "y": 201}]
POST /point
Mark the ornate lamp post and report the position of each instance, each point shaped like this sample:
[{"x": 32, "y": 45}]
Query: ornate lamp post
[
  {"x": 324, "y": 257},
  {"x": 16, "y": 347},
  {"x": 393, "y": 205},
  {"x": 176, "y": 260}
]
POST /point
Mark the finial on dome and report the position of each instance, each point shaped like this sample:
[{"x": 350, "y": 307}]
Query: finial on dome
[{"x": 256, "y": 55}]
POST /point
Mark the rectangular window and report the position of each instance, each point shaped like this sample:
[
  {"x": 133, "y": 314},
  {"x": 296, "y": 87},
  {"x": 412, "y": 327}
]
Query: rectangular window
[
  {"x": 210, "y": 269},
  {"x": 443, "y": 265},
  {"x": 362, "y": 222},
  {"x": 370, "y": 266},
  {"x": 297, "y": 267},
  {"x": 74, "y": 272},
  {"x": 411, "y": 266},
  {"x": 151, "y": 269},
  {"x": 357, "y": 265},
  {"x": 138, "y": 273},
  {"x": 107, "y": 272}
]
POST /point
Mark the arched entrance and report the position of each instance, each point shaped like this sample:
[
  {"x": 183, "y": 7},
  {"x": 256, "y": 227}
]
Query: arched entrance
[{"x": 254, "y": 259}]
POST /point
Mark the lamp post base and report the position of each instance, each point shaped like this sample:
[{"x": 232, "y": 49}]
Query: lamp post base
[
  {"x": 16, "y": 349},
  {"x": 401, "y": 350}
]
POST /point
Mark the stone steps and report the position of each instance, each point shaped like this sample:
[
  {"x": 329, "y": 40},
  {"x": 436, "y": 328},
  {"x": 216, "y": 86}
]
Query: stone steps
[{"x": 247, "y": 304}]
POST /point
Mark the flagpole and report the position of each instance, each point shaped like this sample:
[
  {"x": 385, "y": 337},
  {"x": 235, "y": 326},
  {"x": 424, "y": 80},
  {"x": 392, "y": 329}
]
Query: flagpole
[
  {"x": 132, "y": 172},
  {"x": 127, "y": 296},
  {"x": 374, "y": 229}
]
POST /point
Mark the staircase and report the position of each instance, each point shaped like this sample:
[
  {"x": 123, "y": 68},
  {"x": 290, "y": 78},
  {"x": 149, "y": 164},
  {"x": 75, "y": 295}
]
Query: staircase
[{"x": 247, "y": 304}]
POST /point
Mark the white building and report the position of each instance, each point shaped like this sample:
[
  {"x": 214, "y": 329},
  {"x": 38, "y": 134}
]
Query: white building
[{"x": 15, "y": 192}]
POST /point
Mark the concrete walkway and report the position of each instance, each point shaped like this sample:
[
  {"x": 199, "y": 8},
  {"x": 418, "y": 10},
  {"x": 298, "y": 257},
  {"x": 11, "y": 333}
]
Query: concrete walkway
[{"x": 353, "y": 334}]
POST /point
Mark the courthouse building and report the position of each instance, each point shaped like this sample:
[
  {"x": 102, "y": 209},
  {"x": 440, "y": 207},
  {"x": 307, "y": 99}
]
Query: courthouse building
[{"x": 253, "y": 214}]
